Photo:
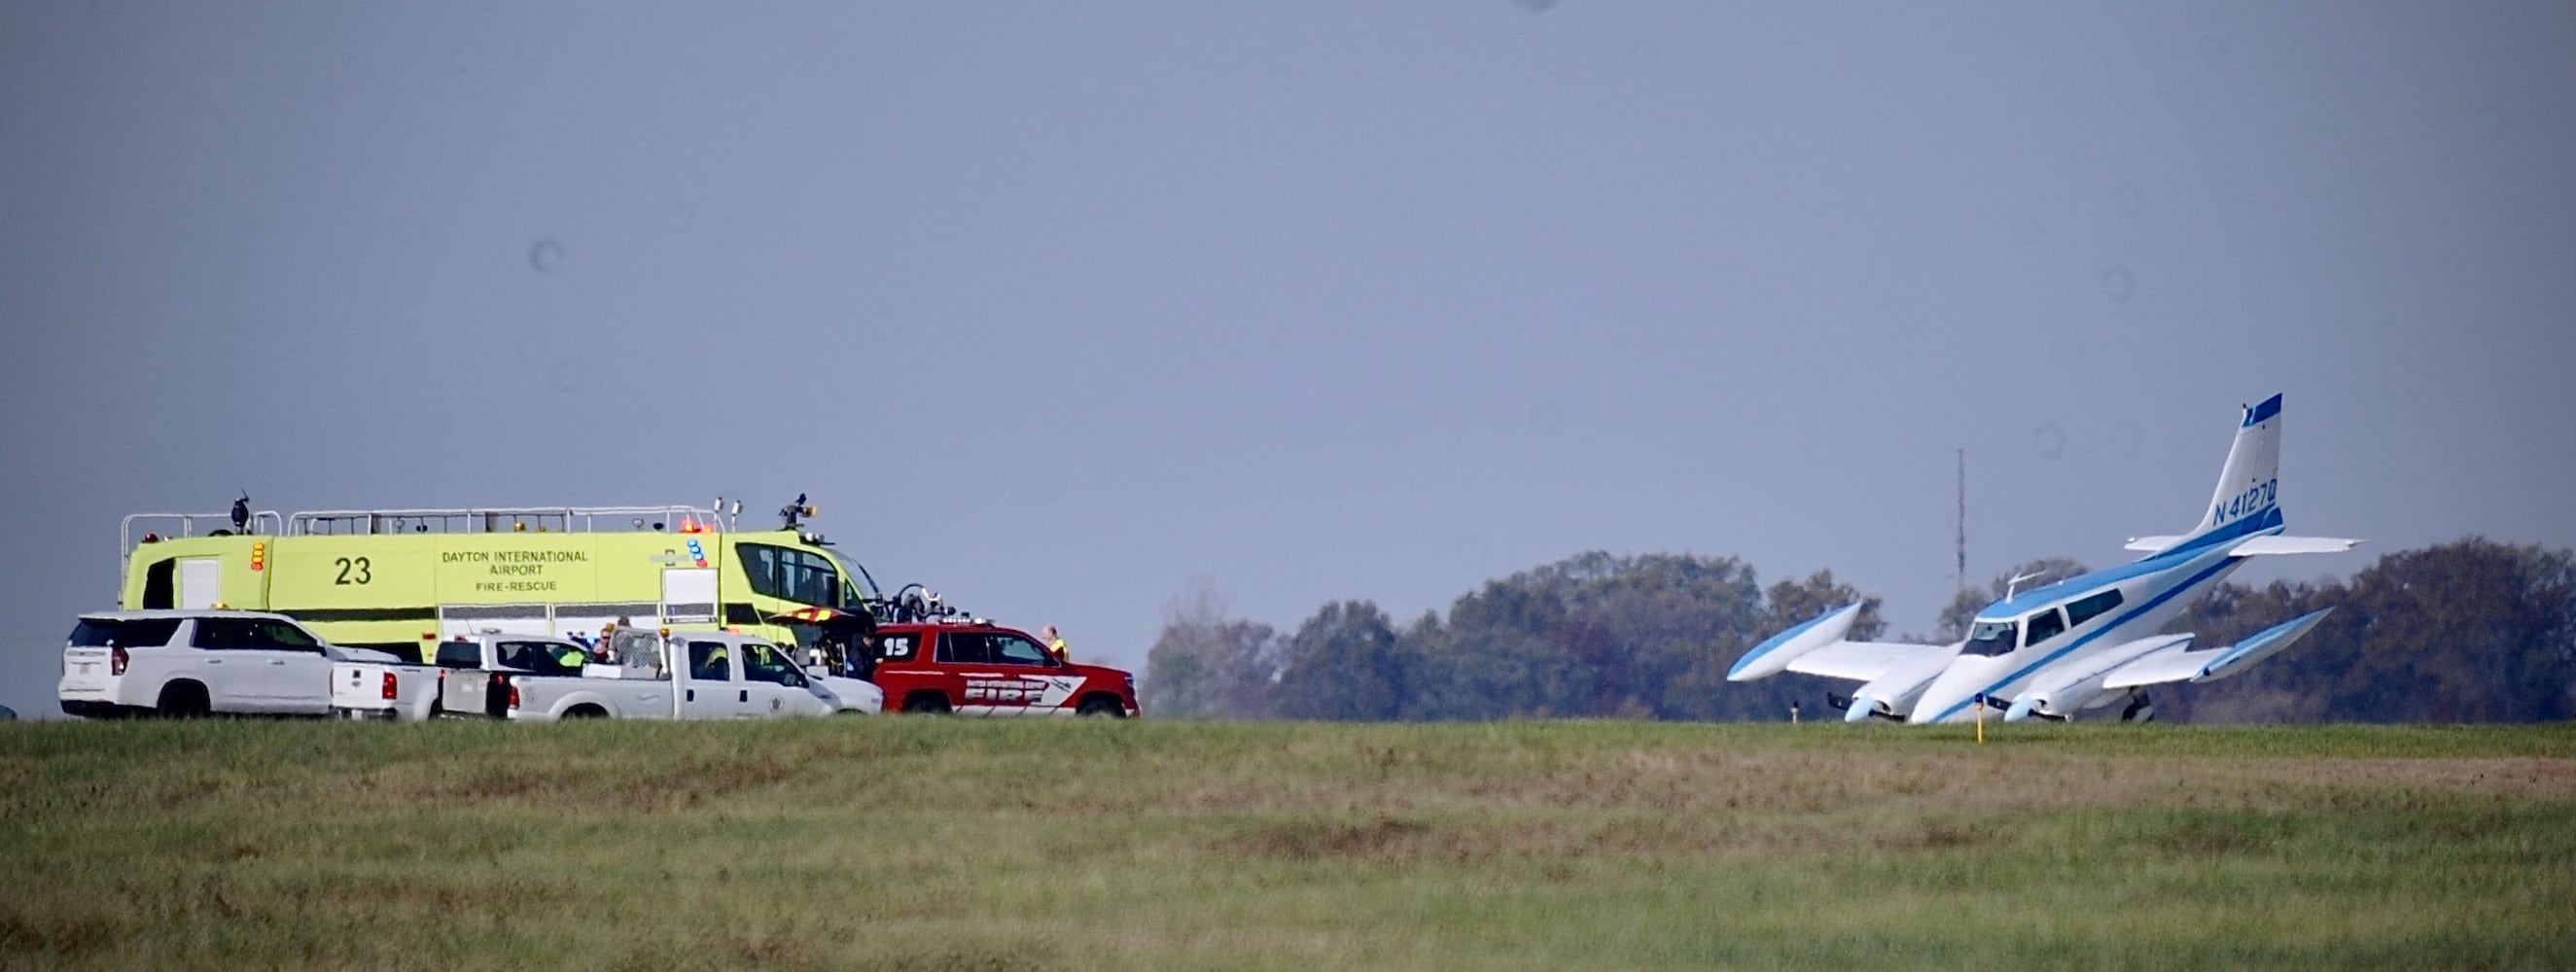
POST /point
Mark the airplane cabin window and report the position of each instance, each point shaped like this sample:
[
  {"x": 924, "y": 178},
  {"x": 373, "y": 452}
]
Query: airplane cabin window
[
  {"x": 2084, "y": 609},
  {"x": 2045, "y": 625},
  {"x": 1990, "y": 638}
]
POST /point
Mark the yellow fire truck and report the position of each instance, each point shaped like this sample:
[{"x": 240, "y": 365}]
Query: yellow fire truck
[{"x": 390, "y": 579}]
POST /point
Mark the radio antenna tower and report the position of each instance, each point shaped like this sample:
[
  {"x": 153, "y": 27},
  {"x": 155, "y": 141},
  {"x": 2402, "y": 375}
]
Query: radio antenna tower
[{"x": 1962, "y": 575}]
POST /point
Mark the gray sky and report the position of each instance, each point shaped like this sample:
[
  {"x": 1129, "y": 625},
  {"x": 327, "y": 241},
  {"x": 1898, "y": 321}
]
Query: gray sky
[{"x": 1057, "y": 306}]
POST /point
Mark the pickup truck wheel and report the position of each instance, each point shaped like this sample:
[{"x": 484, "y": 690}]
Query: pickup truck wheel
[
  {"x": 183, "y": 700},
  {"x": 585, "y": 712},
  {"x": 1101, "y": 705},
  {"x": 929, "y": 703}
]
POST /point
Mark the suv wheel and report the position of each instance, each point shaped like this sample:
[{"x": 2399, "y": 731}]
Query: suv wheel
[
  {"x": 929, "y": 703},
  {"x": 184, "y": 700},
  {"x": 1101, "y": 705}
]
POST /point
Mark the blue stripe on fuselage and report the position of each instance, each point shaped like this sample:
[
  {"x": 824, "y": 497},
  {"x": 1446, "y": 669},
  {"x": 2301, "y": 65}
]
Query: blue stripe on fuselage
[
  {"x": 2269, "y": 519},
  {"x": 2073, "y": 587},
  {"x": 2206, "y": 573}
]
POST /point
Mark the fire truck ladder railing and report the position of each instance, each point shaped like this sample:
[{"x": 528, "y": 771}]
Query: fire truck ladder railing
[{"x": 533, "y": 519}]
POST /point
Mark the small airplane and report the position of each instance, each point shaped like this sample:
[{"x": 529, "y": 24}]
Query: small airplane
[{"x": 2081, "y": 643}]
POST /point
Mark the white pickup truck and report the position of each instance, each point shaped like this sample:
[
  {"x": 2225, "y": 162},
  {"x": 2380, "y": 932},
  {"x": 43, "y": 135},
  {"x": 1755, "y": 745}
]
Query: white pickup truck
[
  {"x": 197, "y": 662},
  {"x": 722, "y": 676}
]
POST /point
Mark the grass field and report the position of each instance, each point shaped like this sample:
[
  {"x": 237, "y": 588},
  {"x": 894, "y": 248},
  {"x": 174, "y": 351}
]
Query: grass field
[{"x": 915, "y": 843}]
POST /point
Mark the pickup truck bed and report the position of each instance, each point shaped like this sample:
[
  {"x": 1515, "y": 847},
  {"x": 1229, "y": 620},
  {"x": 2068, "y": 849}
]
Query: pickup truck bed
[{"x": 385, "y": 690}]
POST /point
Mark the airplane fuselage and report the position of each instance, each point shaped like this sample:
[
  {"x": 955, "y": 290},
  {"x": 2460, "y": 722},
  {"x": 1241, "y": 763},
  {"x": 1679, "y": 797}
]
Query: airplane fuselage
[{"x": 2067, "y": 621}]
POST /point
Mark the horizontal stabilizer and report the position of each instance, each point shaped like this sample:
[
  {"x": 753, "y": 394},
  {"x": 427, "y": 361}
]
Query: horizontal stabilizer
[
  {"x": 2264, "y": 546},
  {"x": 2277, "y": 545},
  {"x": 2210, "y": 664}
]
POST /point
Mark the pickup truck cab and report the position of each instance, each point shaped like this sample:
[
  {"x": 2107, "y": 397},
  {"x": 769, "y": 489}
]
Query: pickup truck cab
[
  {"x": 974, "y": 667},
  {"x": 197, "y": 662}
]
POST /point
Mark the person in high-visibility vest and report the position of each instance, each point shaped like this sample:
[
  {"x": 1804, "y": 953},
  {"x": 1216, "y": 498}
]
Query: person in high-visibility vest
[{"x": 1055, "y": 644}]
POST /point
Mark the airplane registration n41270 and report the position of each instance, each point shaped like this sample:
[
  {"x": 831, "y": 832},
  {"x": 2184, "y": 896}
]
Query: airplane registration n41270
[{"x": 2084, "y": 642}]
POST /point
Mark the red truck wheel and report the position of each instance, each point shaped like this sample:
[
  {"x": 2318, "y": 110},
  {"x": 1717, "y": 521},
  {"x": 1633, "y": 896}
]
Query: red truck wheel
[{"x": 930, "y": 703}]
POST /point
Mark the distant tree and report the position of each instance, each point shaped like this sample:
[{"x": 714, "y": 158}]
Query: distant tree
[
  {"x": 1955, "y": 616},
  {"x": 1591, "y": 635},
  {"x": 1343, "y": 663},
  {"x": 1797, "y": 602},
  {"x": 1208, "y": 665}
]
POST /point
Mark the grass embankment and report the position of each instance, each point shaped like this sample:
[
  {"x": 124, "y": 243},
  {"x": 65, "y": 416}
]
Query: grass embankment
[{"x": 916, "y": 843}]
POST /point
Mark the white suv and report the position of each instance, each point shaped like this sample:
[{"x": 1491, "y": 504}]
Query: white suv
[{"x": 188, "y": 663}]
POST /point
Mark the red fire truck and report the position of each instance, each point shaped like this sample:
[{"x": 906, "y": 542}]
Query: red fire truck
[{"x": 973, "y": 667}]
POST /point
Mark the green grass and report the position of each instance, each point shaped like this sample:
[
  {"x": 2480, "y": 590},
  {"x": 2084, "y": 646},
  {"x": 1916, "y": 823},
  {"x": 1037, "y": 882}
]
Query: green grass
[{"x": 913, "y": 843}]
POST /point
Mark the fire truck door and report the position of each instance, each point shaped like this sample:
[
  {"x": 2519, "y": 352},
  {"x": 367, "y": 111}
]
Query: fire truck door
[{"x": 201, "y": 582}]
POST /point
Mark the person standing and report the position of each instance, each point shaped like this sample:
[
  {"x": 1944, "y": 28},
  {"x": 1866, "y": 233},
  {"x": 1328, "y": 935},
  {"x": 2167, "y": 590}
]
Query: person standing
[{"x": 1055, "y": 644}]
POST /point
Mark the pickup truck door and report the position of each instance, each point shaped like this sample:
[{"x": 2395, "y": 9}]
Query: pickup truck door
[
  {"x": 713, "y": 690},
  {"x": 772, "y": 685}
]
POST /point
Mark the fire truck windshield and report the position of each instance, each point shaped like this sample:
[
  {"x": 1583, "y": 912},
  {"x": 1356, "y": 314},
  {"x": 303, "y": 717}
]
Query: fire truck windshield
[{"x": 803, "y": 576}]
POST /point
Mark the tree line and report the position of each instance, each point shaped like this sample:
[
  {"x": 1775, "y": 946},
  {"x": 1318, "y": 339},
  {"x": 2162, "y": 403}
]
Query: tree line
[{"x": 2468, "y": 631}]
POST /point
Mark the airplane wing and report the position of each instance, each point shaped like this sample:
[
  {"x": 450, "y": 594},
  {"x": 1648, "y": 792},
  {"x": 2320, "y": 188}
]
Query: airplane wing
[
  {"x": 1862, "y": 661},
  {"x": 2180, "y": 663}
]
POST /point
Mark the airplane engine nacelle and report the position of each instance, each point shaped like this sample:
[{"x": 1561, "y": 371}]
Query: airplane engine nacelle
[
  {"x": 2061, "y": 691},
  {"x": 1893, "y": 695},
  {"x": 2037, "y": 702}
]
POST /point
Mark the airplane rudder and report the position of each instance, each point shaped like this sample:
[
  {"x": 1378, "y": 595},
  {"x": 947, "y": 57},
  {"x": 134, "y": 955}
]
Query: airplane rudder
[{"x": 2247, "y": 495}]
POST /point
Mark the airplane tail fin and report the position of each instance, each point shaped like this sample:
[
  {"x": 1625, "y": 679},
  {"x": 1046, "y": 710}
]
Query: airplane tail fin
[
  {"x": 2245, "y": 511},
  {"x": 2248, "y": 499}
]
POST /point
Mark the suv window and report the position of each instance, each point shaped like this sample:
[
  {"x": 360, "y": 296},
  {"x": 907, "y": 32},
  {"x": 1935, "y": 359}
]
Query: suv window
[
  {"x": 965, "y": 648},
  {"x": 138, "y": 633},
  {"x": 765, "y": 663},
  {"x": 1016, "y": 650},
  {"x": 285, "y": 636},
  {"x": 230, "y": 634}
]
